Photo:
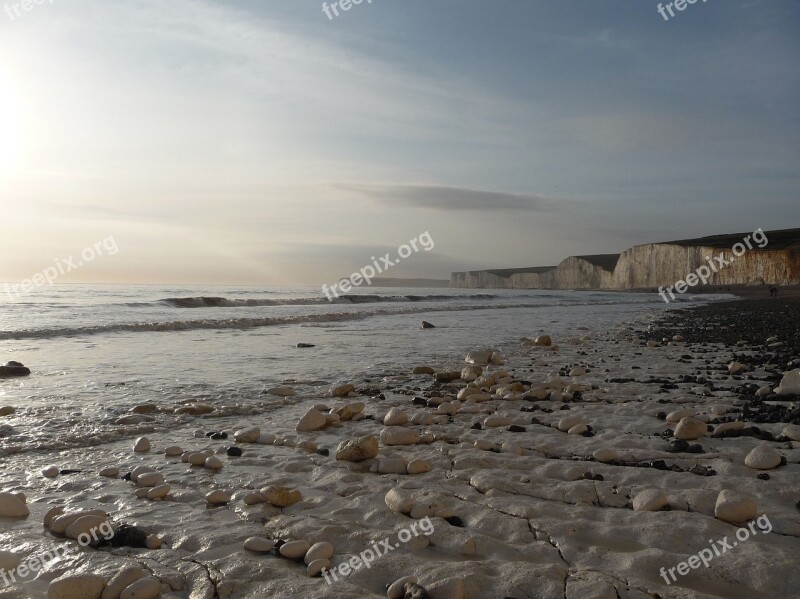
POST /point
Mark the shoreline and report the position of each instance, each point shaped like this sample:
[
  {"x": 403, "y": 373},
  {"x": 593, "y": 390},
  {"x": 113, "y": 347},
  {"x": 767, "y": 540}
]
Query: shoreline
[{"x": 518, "y": 513}]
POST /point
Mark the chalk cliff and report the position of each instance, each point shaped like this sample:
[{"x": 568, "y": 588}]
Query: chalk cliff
[{"x": 772, "y": 258}]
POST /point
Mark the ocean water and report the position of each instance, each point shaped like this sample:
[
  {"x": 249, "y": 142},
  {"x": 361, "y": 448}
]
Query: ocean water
[{"x": 97, "y": 351}]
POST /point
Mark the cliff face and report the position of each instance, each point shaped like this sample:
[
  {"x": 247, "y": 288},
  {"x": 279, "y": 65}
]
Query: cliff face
[{"x": 658, "y": 265}]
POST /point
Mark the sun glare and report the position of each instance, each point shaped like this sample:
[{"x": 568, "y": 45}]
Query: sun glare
[{"x": 10, "y": 129}]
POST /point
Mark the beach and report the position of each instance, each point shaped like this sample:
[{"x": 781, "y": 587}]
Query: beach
[{"x": 547, "y": 468}]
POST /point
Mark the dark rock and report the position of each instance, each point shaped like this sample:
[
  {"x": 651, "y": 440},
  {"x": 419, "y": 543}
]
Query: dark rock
[
  {"x": 67, "y": 472},
  {"x": 305, "y": 345},
  {"x": 763, "y": 476},
  {"x": 695, "y": 448},
  {"x": 323, "y": 451},
  {"x": 447, "y": 377},
  {"x": 14, "y": 369},
  {"x": 427, "y": 325},
  {"x": 219, "y": 436},
  {"x": 234, "y": 451},
  {"x": 516, "y": 429},
  {"x": 679, "y": 446},
  {"x": 420, "y": 401},
  {"x": 477, "y": 426},
  {"x": 455, "y": 521},
  {"x": 126, "y": 535}
]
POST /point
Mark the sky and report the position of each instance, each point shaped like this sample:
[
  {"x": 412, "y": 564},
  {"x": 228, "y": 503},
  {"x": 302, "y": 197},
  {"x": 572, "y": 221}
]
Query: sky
[{"x": 264, "y": 143}]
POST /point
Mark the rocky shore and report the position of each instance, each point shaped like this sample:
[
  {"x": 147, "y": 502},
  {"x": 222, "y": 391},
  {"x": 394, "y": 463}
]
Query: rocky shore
[{"x": 572, "y": 467}]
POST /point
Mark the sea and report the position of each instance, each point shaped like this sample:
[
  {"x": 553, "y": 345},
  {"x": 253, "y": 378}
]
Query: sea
[{"x": 97, "y": 351}]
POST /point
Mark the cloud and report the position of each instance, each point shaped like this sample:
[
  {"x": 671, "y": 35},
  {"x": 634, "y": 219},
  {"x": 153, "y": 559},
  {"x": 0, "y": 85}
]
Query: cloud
[{"x": 435, "y": 197}]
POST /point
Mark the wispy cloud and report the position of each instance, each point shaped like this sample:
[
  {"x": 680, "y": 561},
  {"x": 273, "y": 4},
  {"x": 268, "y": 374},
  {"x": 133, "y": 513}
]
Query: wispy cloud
[{"x": 437, "y": 197}]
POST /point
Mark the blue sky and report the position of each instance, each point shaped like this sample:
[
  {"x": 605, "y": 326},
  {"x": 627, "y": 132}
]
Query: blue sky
[{"x": 261, "y": 142}]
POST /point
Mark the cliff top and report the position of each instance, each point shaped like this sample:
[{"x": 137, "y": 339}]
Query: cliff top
[{"x": 778, "y": 240}]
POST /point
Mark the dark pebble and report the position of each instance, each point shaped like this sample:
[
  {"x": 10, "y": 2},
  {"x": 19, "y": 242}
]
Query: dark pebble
[
  {"x": 325, "y": 452},
  {"x": 477, "y": 426},
  {"x": 455, "y": 521},
  {"x": 516, "y": 429},
  {"x": 763, "y": 476},
  {"x": 234, "y": 452}
]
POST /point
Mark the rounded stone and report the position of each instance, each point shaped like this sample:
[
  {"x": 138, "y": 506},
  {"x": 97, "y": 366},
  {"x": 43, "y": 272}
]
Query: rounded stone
[
  {"x": 142, "y": 445},
  {"x": 605, "y": 455},
  {"x": 259, "y": 544},
  {"x": 418, "y": 466},
  {"x": 321, "y": 550},
  {"x": 144, "y": 588},
  {"x": 734, "y": 507},
  {"x": 395, "y": 417},
  {"x": 87, "y": 525},
  {"x": 110, "y": 472},
  {"x": 316, "y": 567},
  {"x": 397, "y": 589},
  {"x": 121, "y": 581},
  {"x": 150, "y": 479},
  {"x": 218, "y": 497},
  {"x": 11, "y": 506},
  {"x": 294, "y": 549},
  {"x": 281, "y": 496},
  {"x": 399, "y": 500},
  {"x": 213, "y": 463},
  {"x": 650, "y": 500},
  {"x": 313, "y": 420},
  {"x": 690, "y": 428},
  {"x": 358, "y": 449},
  {"x": 51, "y": 471},
  {"x": 159, "y": 492},
  {"x": 763, "y": 457},
  {"x": 173, "y": 451},
  {"x": 81, "y": 586}
]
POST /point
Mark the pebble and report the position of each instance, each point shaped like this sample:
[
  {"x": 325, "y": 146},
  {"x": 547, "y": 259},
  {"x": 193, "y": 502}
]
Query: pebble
[
  {"x": 51, "y": 514},
  {"x": 423, "y": 370},
  {"x": 790, "y": 383},
  {"x": 397, "y": 435},
  {"x": 7, "y": 410},
  {"x": 316, "y": 567},
  {"x": 213, "y": 463},
  {"x": 218, "y": 497},
  {"x": 734, "y": 507},
  {"x": 677, "y": 415},
  {"x": 650, "y": 500},
  {"x": 397, "y": 589},
  {"x": 9, "y": 561},
  {"x": 281, "y": 496},
  {"x": 763, "y": 457},
  {"x": 357, "y": 449},
  {"x": 578, "y": 429},
  {"x": 142, "y": 445},
  {"x": 80, "y": 586},
  {"x": 495, "y": 421},
  {"x": 150, "y": 479},
  {"x": 159, "y": 492},
  {"x": 349, "y": 411},
  {"x": 395, "y": 417},
  {"x": 123, "y": 580},
  {"x": 173, "y": 451},
  {"x": 605, "y": 455},
  {"x": 294, "y": 549},
  {"x": 313, "y": 420},
  {"x": 321, "y": 550},
  {"x": 12, "y": 506},
  {"x": 690, "y": 428},
  {"x": 543, "y": 341},
  {"x": 234, "y": 452},
  {"x": 422, "y": 419},
  {"x": 723, "y": 428},
  {"x": 51, "y": 471},
  {"x": 265, "y": 439},
  {"x": 198, "y": 459},
  {"x": 144, "y": 588},
  {"x": 342, "y": 390},
  {"x": 418, "y": 466},
  {"x": 568, "y": 422},
  {"x": 259, "y": 544},
  {"x": 735, "y": 367},
  {"x": 153, "y": 542},
  {"x": 399, "y": 500},
  {"x": 281, "y": 391},
  {"x": 86, "y": 524},
  {"x": 792, "y": 431},
  {"x": 249, "y": 435}
]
